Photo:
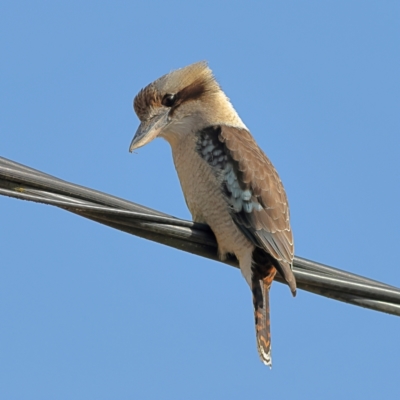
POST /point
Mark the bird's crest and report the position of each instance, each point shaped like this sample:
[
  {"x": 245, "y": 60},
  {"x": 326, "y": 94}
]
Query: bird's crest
[{"x": 188, "y": 83}]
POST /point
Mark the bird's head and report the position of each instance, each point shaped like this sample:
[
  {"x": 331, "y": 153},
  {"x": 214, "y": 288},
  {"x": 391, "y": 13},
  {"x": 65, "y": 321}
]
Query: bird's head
[{"x": 178, "y": 103}]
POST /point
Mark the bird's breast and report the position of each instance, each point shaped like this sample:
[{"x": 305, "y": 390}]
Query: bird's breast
[{"x": 202, "y": 186}]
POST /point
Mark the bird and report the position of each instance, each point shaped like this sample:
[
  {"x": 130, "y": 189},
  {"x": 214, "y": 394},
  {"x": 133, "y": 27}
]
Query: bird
[{"x": 227, "y": 180}]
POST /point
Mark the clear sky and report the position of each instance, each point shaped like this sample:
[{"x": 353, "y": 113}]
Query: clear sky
[{"x": 87, "y": 312}]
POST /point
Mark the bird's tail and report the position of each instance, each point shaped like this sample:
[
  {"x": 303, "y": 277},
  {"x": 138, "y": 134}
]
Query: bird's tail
[{"x": 261, "y": 284}]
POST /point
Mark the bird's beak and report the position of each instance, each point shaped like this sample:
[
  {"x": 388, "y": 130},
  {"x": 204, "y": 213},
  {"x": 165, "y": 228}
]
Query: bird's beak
[{"x": 149, "y": 130}]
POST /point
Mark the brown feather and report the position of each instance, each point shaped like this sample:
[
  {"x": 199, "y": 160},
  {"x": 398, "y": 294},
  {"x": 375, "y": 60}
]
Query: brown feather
[
  {"x": 261, "y": 284},
  {"x": 270, "y": 226}
]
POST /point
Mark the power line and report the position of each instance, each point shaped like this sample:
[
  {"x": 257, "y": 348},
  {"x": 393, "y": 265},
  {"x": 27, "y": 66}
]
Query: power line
[{"x": 22, "y": 182}]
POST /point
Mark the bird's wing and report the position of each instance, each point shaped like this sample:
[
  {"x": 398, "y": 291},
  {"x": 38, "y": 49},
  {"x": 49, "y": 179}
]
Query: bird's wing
[{"x": 258, "y": 199}]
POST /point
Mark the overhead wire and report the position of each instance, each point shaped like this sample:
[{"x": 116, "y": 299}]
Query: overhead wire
[{"x": 25, "y": 183}]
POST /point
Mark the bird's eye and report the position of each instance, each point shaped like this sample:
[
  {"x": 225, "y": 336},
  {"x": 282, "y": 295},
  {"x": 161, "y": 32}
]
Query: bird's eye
[{"x": 168, "y": 100}]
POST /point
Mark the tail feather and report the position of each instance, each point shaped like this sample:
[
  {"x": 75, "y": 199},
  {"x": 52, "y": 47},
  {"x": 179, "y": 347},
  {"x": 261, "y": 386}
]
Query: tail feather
[{"x": 261, "y": 284}]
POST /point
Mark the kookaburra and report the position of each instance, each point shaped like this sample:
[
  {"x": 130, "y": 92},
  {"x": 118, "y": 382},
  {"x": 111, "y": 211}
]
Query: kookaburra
[{"x": 227, "y": 180}]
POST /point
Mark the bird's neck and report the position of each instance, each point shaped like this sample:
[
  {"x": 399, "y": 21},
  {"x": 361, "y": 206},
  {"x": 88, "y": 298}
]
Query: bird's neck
[{"x": 216, "y": 110}]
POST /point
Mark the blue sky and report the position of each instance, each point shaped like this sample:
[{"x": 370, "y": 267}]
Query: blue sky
[{"x": 88, "y": 312}]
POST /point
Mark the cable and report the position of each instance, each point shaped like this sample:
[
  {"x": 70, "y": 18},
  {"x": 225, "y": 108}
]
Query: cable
[{"x": 22, "y": 182}]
